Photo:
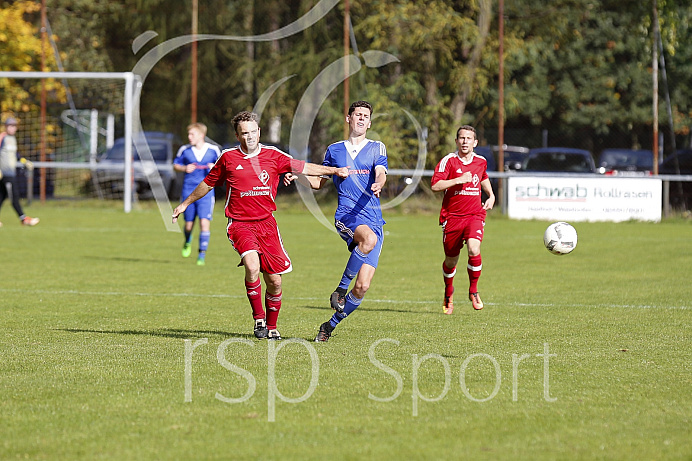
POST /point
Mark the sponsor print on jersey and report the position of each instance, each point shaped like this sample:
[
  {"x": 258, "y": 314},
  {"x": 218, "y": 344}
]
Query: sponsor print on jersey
[
  {"x": 256, "y": 191},
  {"x": 264, "y": 177},
  {"x": 469, "y": 191}
]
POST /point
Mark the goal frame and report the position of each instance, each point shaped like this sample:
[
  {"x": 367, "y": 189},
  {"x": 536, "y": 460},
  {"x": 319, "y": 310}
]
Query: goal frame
[{"x": 132, "y": 87}]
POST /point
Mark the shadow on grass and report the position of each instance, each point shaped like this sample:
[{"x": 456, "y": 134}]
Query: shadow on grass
[
  {"x": 165, "y": 333},
  {"x": 369, "y": 309},
  {"x": 130, "y": 260}
]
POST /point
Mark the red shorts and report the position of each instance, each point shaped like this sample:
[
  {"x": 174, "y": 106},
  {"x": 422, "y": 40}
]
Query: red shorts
[
  {"x": 264, "y": 238},
  {"x": 456, "y": 231}
]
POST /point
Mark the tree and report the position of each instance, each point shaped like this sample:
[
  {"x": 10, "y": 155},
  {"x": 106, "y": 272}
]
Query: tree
[
  {"x": 440, "y": 45},
  {"x": 20, "y": 50}
]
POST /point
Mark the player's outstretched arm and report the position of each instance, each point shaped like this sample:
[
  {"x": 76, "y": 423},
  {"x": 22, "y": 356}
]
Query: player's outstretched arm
[
  {"x": 200, "y": 191},
  {"x": 312, "y": 169},
  {"x": 313, "y": 182}
]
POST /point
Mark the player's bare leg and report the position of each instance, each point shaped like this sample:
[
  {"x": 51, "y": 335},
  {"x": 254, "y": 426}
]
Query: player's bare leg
[
  {"x": 365, "y": 275},
  {"x": 448, "y": 271},
  {"x": 253, "y": 287},
  {"x": 474, "y": 270}
]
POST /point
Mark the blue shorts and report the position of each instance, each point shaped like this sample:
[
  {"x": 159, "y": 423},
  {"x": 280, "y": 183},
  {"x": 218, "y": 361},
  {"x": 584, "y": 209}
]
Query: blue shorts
[
  {"x": 347, "y": 226},
  {"x": 202, "y": 208}
]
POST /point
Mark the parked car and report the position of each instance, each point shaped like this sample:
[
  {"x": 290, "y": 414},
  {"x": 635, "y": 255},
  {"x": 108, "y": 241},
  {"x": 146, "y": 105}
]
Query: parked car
[
  {"x": 514, "y": 156},
  {"x": 626, "y": 162},
  {"x": 680, "y": 191},
  {"x": 559, "y": 160},
  {"x": 163, "y": 147},
  {"x": 487, "y": 154}
]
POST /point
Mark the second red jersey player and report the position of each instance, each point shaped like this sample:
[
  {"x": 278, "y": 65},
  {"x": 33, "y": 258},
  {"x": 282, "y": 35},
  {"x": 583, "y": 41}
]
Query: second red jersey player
[{"x": 462, "y": 176}]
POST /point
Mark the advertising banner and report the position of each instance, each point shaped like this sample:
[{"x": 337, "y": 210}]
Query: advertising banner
[{"x": 584, "y": 199}]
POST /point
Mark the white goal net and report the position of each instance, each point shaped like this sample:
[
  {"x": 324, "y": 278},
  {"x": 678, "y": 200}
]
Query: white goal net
[{"x": 68, "y": 136}]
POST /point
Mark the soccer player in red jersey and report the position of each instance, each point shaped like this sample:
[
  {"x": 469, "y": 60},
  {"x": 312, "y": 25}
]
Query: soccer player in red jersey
[
  {"x": 462, "y": 175},
  {"x": 251, "y": 173}
]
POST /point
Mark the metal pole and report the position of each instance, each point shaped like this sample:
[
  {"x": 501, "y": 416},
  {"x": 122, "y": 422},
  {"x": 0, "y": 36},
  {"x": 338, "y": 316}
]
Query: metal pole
[
  {"x": 42, "y": 157},
  {"x": 654, "y": 95},
  {"x": 93, "y": 134},
  {"x": 347, "y": 13},
  {"x": 127, "y": 180},
  {"x": 501, "y": 107},
  {"x": 193, "y": 98}
]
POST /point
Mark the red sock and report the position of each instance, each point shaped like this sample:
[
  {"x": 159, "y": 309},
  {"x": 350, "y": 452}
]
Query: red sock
[
  {"x": 448, "y": 274},
  {"x": 474, "y": 269},
  {"x": 273, "y": 303},
  {"x": 254, "y": 295}
]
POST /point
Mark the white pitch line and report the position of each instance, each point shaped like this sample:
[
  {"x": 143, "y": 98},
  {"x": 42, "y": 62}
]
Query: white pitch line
[{"x": 384, "y": 301}]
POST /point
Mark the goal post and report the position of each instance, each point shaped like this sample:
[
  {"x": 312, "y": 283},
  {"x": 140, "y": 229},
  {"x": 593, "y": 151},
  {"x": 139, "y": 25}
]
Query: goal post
[{"x": 132, "y": 87}]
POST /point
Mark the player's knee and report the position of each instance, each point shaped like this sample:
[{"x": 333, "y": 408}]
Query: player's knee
[
  {"x": 273, "y": 283},
  {"x": 451, "y": 261},
  {"x": 251, "y": 276},
  {"x": 368, "y": 244},
  {"x": 474, "y": 247},
  {"x": 252, "y": 271}
]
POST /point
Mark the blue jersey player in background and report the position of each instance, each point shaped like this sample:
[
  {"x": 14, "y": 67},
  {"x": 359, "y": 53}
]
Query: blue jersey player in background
[
  {"x": 358, "y": 217},
  {"x": 195, "y": 160}
]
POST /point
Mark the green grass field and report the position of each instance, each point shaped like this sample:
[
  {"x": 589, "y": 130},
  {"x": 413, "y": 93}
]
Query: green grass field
[{"x": 586, "y": 356}]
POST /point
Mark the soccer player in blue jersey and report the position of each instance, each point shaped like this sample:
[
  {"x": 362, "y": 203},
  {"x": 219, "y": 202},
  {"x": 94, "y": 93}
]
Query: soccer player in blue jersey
[
  {"x": 195, "y": 160},
  {"x": 358, "y": 217}
]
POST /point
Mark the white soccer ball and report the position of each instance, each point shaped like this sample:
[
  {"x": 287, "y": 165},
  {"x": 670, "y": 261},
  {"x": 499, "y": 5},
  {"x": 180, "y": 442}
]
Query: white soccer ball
[{"x": 560, "y": 238}]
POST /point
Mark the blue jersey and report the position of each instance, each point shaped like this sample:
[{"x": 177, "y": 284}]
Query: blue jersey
[
  {"x": 355, "y": 196},
  {"x": 188, "y": 154}
]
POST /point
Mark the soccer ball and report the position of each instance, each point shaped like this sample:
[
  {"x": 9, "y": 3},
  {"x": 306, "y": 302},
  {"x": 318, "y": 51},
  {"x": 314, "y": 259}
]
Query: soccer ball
[{"x": 560, "y": 238}]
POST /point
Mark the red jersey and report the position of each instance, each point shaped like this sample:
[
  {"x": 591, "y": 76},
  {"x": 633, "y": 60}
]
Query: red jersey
[
  {"x": 251, "y": 180},
  {"x": 463, "y": 199}
]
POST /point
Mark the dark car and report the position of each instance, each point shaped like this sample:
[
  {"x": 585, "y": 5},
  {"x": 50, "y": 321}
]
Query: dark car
[
  {"x": 626, "y": 162},
  {"x": 513, "y": 156},
  {"x": 110, "y": 168},
  {"x": 680, "y": 163},
  {"x": 559, "y": 160},
  {"x": 487, "y": 154}
]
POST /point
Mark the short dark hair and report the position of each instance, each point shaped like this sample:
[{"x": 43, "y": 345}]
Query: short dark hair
[
  {"x": 467, "y": 128},
  {"x": 244, "y": 116},
  {"x": 365, "y": 104}
]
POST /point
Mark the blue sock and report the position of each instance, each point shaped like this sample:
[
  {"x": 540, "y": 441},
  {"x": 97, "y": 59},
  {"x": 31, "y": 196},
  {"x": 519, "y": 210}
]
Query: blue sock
[
  {"x": 204, "y": 240},
  {"x": 188, "y": 237},
  {"x": 355, "y": 261},
  {"x": 351, "y": 305}
]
